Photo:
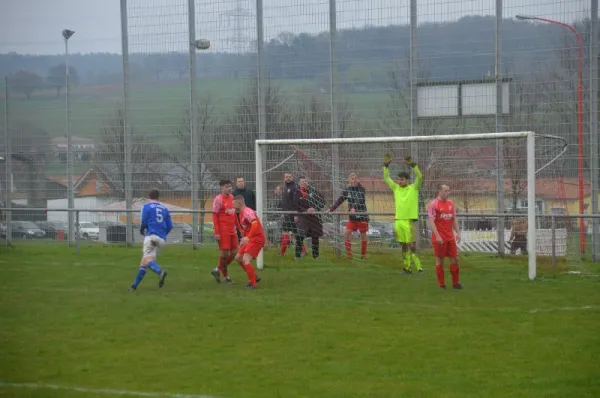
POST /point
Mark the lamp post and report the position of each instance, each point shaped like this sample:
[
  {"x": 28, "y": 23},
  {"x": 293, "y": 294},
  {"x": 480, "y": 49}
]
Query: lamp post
[
  {"x": 579, "y": 117},
  {"x": 66, "y": 33}
]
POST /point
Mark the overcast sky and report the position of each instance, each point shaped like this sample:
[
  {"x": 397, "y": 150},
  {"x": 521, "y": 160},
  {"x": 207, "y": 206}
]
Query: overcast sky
[{"x": 34, "y": 26}]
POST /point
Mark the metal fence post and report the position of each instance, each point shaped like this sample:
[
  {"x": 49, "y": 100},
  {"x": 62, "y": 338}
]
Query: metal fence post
[
  {"x": 77, "y": 231},
  {"x": 553, "y": 240}
]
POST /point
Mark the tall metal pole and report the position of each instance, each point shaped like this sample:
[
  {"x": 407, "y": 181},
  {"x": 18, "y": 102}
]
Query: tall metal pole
[
  {"x": 8, "y": 164},
  {"x": 499, "y": 129},
  {"x": 414, "y": 74},
  {"x": 261, "y": 185},
  {"x": 335, "y": 133},
  {"x": 193, "y": 117},
  {"x": 260, "y": 40},
  {"x": 414, "y": 102},
  {"x": 126, "y": 122},
  {"x": 594, "y": 134},
  {"x": 70, "y": 193}
]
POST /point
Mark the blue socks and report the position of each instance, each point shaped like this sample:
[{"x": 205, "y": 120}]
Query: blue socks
[
  {"x": 154, "y": 267},
  {"x": 142, "y": 272},
  {"x": 138, "y": 278}
]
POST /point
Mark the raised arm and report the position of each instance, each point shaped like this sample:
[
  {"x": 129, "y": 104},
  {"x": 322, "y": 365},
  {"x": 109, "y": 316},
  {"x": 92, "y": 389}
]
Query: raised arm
[
  {"x": 418, "y": 176},
  {"x": 386, "y": 178}
]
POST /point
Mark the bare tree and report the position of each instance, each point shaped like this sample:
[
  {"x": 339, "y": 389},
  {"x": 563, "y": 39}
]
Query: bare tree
[
  {"x": 208, "y": 155},
  {"x": 147, "y": 159}
]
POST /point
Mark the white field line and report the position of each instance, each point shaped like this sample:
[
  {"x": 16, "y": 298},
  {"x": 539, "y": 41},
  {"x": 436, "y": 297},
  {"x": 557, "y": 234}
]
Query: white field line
[
  {"x": 278, "y": 300},
  {"x": 105, "y": 391}
]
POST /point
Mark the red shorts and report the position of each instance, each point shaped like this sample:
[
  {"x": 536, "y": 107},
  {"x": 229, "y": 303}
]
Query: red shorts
[
  {"x": 447, "y": 248},
  {"x": 252, "y": 248},
  {"x": 360, "y": 226},
  {"x": 228, "y": 242}
]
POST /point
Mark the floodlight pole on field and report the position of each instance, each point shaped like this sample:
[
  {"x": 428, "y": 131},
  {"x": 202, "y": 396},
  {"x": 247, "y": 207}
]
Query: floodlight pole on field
[
  {"x": 66, "y": 33},
  {"x": 260, "y": 146},
  {"x": 335, "y": 127},
  {"x": 261, "y": 163},
  {"x": 499, "y": 128},
  {"x": 8, "y": 165},
  {"x": 192, "y": 119},
  {"x": 127, "y": 124}
]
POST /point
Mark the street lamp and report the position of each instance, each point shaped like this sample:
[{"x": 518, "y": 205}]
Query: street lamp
[
  {"x": 66, "y": 33},
  {"x": 579, "y": 116},
  {"x": 195, "y": 44}
]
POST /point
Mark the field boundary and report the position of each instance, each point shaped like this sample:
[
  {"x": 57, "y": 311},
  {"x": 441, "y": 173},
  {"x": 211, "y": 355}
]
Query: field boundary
[{"x": 105, "y": 391}]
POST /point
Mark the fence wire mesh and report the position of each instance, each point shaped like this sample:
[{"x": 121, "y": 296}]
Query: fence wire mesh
[{"x": 141, "y": 118}]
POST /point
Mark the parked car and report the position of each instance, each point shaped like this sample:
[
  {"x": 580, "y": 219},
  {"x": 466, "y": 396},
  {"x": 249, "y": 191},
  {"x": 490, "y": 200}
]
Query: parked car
[
  {"x": 88, "y": 230},
  {"x": 26, "y": 230},
  {"x": 386, "y": 228},
  {"x": 373, "y": 233},
  {"x": 51, "y": 228},
  {"x": 186, "y": 230}
]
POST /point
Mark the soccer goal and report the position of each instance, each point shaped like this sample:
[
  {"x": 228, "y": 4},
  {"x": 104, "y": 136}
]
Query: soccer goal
[{"x": 500, "y": 183}]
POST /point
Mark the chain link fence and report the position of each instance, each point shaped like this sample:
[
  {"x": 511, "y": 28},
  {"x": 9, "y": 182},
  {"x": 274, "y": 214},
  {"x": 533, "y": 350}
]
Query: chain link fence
[{"x": 94, "y": 131}]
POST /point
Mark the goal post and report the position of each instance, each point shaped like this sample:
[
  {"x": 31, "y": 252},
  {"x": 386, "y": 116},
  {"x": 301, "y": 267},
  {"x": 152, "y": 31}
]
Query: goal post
[{"x": 277, "y": 155}]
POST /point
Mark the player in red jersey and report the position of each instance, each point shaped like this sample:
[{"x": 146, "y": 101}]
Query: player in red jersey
[
  {"x": 253, "y": 239},
  {"x": 224, "y": 220},
  {"x": 445, "y": 234}
]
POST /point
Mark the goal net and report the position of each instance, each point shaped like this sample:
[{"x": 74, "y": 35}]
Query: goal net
[{"x": 505, "y": 187}]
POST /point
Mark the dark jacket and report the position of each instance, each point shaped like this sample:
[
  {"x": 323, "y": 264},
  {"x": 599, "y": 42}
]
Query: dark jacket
[
  {"x": 310, "y": 224},
  {"x": 249, "y": 196},
  {"x": 287, "y": 198},
  {"x": 355, "y": 195}
]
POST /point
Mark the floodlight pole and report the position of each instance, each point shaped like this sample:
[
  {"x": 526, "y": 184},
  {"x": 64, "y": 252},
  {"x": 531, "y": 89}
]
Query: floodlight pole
[
  {"x": 193, "y": 116},
  {"x": 66, "y": 33},
  {"x": 499, "y": 129},
  {"x": 127, "y": 131},
  {"x": 579, "y": 118}
]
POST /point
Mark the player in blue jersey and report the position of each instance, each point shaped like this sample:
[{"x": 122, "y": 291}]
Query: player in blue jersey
[{"x": 156, "y": 225}]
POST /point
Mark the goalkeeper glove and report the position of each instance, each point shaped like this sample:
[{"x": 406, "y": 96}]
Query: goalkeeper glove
[
  {"x": 408, "y": 160},
  {"x": 387, "y": 159}
]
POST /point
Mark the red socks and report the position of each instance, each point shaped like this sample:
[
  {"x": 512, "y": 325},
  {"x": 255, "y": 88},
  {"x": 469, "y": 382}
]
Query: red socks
[
  {"x": 249, "y": 269},
  {"x": 223, "y": 262},
  {"x": 454, "y": 273},
  {"x": 439, "y": 272},
  {"x": 285, "y": 241},
  {"x": 363, "y": 248},
  {"x": 348, "y": 245}
]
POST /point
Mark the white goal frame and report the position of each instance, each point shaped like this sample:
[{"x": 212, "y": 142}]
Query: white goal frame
[{"x": 260, "y": 146}]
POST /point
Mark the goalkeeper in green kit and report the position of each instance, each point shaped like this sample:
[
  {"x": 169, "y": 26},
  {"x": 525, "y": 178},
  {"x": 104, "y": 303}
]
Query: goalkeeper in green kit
[{"x": 406, "y": 200}]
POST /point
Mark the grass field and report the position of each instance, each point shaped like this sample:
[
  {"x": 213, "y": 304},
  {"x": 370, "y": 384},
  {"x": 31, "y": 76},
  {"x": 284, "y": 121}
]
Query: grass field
[{"x": 313, "y": 329}]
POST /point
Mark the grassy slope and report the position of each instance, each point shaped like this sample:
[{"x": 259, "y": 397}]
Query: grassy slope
[{"x": 313, "y": 329}]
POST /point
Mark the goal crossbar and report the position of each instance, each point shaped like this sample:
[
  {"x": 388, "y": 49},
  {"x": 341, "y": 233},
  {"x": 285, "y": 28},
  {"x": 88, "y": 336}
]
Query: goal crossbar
[{"x": 530, "y": 146}]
